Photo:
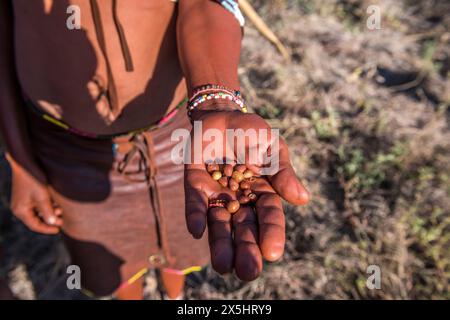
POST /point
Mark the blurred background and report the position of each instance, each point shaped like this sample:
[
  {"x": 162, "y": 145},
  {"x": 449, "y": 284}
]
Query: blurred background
[{"x": 367, "y": 116}]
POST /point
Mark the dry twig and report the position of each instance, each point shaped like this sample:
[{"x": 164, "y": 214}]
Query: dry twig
[{"x": 262, "y": 27}]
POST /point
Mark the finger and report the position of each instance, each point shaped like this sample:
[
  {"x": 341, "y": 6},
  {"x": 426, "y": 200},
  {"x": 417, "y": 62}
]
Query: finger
[
  {"x": 46, "y": 211},
  {"x": 269, "y": 210},
  {"x": 196, "y": 203},
  {"x": 248, "y": 259},
  {"x": 57, "y": 209},
  {"x": 220, "y": 240},
  {"x": 285, "y": 181},
  {"x": 34, "y": 223}
]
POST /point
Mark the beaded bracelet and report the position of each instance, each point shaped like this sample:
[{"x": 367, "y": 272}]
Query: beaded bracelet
[
  {"x": 207, "y": 88},
  {"x": 214, "y": 92},
  {"x": 216, "y": 96}
]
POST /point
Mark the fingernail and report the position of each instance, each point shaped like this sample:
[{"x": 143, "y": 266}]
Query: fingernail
[
  {"x": 51, "y": 220},
  {"x": 303, "y": 194}
]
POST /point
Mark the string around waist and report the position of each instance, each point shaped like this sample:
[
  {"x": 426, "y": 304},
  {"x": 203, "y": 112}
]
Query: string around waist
[{"x": 63, "y": 125}]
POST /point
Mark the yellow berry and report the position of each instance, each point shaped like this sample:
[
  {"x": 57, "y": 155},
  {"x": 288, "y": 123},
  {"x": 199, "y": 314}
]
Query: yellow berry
[
  {"x": 248, "y": 174},
  {"x": 237, "y": 176},
  {"x": 216, "y": 175}
]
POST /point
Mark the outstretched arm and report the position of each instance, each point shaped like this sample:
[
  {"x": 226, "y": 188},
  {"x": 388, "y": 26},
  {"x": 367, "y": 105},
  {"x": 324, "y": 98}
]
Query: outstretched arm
[{"x": 209, "y": 39}]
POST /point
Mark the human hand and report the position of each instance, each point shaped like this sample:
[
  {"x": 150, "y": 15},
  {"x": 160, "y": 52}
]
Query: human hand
[
  {"x": 255, "y": 232},
  {"x": 32, "y": 204}
]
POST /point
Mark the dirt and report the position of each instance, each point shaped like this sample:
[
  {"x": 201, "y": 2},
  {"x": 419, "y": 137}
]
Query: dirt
[{"x": 366, "y": 114}]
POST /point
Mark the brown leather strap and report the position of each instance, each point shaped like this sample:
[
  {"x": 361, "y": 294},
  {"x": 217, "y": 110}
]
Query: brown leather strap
[
  {"x": 142, "y": 145},
  {"x": 156, "y": 199},
  {"x": 112, "y": 89},
  {"x": 123, "y": 40}
]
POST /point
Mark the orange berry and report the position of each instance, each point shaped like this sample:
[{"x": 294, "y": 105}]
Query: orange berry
[
  {"x": 245, "y": 185},
  {"x": 228, "y": 170},
  {"x": 223, "y": 182},
  {"x": 234, "y": 186},
  {"x": 211, "y": 167},
  {"x": 233, "y": 206}
]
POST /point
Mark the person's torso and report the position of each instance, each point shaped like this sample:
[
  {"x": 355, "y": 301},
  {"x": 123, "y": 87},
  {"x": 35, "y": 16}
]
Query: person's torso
[{"x": 65, "y": 71}]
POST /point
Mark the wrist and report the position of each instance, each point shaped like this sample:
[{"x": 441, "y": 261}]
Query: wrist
[
  {"x": 212, "y": 97},
  {"x": 213, "y": 106},
  {"x": 26, "y": 167}
]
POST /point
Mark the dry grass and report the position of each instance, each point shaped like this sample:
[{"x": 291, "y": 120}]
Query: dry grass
[{"x": 366, "y": 114}]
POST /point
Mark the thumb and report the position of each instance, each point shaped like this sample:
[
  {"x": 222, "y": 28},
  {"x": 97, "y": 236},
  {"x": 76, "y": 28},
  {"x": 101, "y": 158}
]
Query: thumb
[
  {"x": 285, "y": 181},
  {"x": 47, "y": 212},
  {"x": 287, "y": 185}
]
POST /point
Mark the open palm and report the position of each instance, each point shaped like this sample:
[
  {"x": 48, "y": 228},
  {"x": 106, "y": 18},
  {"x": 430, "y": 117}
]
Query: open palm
[{"x": 255, "y": 232}]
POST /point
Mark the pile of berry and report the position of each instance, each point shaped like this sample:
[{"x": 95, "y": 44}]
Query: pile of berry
[{"x": 238, "y": 179}]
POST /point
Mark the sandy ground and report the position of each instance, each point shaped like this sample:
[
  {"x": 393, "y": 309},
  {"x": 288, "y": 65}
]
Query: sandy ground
[{"x": 366, "y": 114}]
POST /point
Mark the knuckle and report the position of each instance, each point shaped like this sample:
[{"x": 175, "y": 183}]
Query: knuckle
[
  {"x": 270, "y": 200},
  {"x": 42, "y": 199},
  {"x": 18, "y": 210}
]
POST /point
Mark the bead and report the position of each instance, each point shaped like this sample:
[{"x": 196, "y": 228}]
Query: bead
[
  {"x": 210, "y": 92},
  {"x": 246, "y": 192},
  {"x": 233, "y": 206},
  {"x": 216, "y": 175},
  {"x": 253, "y": 197},
  {"x": 216, "y": 203},
  {"x": 240, "y": 168}
]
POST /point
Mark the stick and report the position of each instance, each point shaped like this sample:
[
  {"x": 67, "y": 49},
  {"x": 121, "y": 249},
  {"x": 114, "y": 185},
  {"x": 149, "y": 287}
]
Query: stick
[{"x": 262, "y": 27}]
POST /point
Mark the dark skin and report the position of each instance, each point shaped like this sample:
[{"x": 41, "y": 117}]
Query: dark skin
[
  {"x": 30, "y": 195},
  {"x": 256, "y": 236},
  {"x": 259, "y": 232},
  {"x": 209, "y": 40}
]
